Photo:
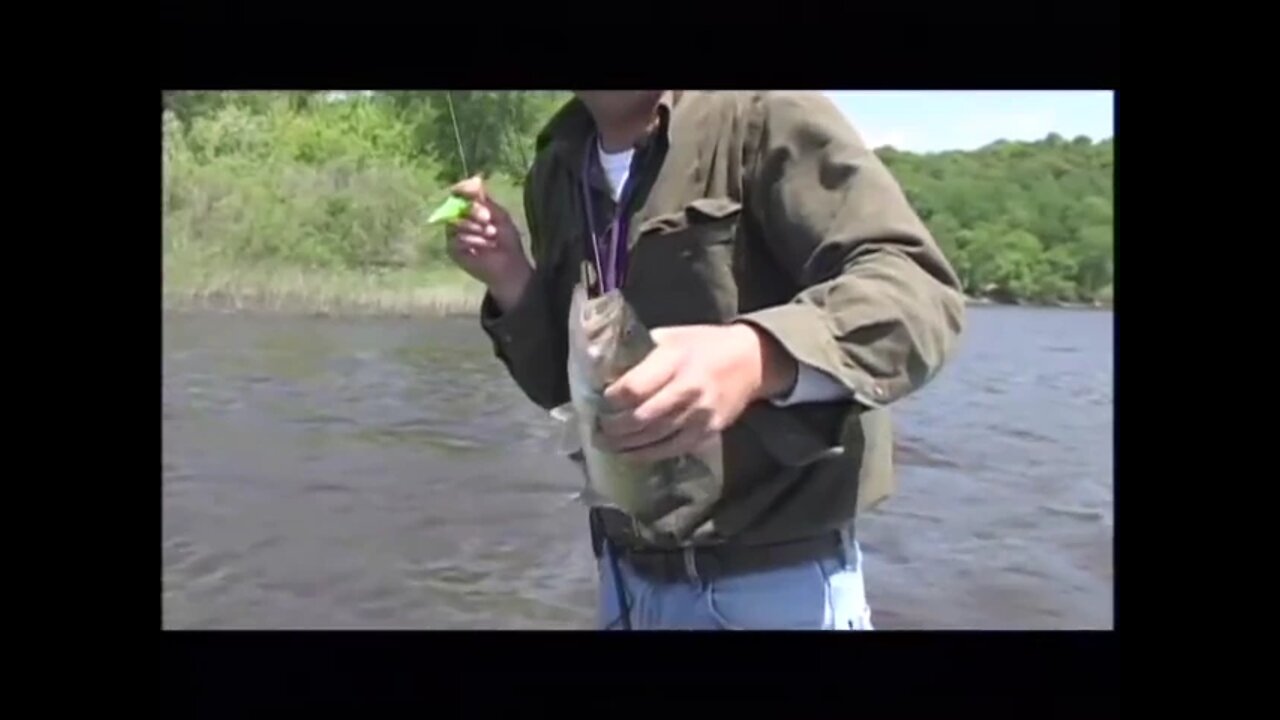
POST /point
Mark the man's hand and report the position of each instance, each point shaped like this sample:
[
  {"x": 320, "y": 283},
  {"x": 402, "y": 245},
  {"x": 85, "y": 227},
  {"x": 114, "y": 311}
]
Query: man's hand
[
  {"x": 486, "y": 244},
  {"x": 697, "y": 382}
]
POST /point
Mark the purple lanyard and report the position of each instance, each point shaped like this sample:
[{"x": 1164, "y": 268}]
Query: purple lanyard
[{"x": 610, "y": 272}]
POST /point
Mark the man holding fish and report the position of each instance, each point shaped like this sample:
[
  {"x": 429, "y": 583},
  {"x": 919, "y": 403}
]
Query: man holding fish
[{"x": 728, "y": 290}]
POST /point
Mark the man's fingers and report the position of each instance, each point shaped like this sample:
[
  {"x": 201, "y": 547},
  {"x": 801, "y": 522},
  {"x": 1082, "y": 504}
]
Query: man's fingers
[
  {"x": 683, "y": 442},
  {"x": 473, "y": 242},
  {"x": 660, "y": 334},
  {"x": 480, "y": 213},
  {"x": 472, "y": 188},
  {"x": 626, "y": 421},
  {"x": 653, "y": 419},
  {"x": 670, "y": 402},
  {"x": 621, "y": 432},
  {"x": 643, "y": 380},
  {"x": 470, "y": 227},
  {"x": 618, "y": 424}
]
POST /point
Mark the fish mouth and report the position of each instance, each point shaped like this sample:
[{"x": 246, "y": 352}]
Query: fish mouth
[
  {"x": 600, "y": 314},
  {"x": 601, "y": 320}
]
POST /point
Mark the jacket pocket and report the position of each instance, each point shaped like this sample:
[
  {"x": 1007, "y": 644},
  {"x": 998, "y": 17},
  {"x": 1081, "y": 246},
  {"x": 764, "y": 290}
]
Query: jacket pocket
[
  {"x": 703, "y": 215},
  {"x": 682, "y": 265}
]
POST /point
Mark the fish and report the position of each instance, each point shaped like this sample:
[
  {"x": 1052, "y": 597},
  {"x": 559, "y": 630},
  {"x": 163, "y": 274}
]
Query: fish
[{"x": 606, "y": 340}]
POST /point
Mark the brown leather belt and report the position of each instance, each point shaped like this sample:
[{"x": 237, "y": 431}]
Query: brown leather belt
[{"x": 708, "y": 563}]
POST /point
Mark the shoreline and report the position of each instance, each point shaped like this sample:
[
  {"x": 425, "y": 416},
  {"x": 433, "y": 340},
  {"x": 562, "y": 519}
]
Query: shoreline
[
  {"x": 391, "y": 293},
  {"x": 396, "y": 292},
  {"x": 222, "y": 303},
  {"x": 980, "y": 301}
]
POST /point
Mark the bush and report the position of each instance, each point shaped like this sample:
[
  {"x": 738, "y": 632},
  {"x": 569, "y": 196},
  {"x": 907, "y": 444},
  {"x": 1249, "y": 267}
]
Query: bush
[
  {"x": 296, "y": 179},
  {"x": 323, "y": 190}
]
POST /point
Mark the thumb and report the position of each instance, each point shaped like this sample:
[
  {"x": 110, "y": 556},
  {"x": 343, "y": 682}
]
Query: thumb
[
  {"x": 472, "y": 188},
  {"x": 685, "y": 334}
]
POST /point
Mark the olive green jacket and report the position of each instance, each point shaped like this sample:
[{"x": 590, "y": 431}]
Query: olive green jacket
[{"x": 759, "y": 207}]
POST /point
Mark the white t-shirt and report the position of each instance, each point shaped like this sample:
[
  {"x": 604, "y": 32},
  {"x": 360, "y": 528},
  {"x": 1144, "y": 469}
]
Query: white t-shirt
[{"x": 616, "y": 167}]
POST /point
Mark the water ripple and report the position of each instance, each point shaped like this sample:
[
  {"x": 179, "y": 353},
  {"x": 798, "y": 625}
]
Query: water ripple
[{"x": 388, "y": 474}]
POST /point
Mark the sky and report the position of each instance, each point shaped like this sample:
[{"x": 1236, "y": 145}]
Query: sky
[{"x": 932, "y": 121}]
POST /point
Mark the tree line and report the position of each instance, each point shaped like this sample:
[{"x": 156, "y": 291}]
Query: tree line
[{"x": 324, "y": 179}]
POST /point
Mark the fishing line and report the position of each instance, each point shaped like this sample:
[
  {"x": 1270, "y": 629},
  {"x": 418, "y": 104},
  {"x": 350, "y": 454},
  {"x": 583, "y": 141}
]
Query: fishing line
[{"x": 448, "y": 97}]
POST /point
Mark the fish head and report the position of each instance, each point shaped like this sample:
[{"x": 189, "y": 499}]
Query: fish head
[{"x": 610, "y": 335}]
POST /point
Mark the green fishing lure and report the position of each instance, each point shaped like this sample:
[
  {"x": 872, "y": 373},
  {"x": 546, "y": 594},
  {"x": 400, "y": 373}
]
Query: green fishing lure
[{"x": 450, "y": 211}]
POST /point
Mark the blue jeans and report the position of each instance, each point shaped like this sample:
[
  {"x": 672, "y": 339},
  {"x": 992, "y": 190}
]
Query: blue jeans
[{"x": 817, "y": 595}]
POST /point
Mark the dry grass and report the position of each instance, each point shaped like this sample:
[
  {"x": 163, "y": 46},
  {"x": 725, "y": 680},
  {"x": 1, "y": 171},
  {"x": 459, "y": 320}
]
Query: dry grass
[{"x": 398, "y": 292}]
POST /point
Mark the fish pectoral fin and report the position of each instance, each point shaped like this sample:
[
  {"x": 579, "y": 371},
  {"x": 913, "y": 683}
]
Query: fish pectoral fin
[
  {"x": 565, "y": 413},
  {"x": 570, "y": 443},
  {"x": 591, "y": 498}
]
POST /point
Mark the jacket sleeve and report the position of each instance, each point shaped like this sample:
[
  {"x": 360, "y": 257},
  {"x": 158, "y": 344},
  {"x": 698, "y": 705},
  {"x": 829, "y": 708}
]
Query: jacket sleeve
[
  {"x": 531, "y": 338},
  {"x": 880, "y": 309}
]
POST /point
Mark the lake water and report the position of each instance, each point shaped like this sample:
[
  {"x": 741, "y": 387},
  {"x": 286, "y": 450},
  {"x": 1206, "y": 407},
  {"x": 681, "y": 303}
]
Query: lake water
[{"x": 322, "y": 473}]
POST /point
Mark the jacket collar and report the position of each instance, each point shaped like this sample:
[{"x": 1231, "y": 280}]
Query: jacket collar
[{"x": 567, "y": 132}]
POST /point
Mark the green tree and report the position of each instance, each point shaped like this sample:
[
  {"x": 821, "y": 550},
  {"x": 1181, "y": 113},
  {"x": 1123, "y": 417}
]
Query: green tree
[
  {"x": 1027, "y": 220},
  {"x": 321, "y": 178},
  {"x": 1095, "y": 258},
  {"x": 492, "y": 132}
]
